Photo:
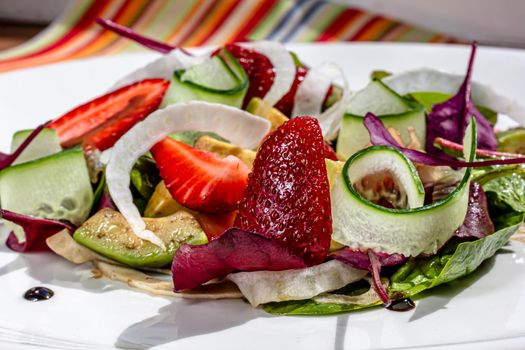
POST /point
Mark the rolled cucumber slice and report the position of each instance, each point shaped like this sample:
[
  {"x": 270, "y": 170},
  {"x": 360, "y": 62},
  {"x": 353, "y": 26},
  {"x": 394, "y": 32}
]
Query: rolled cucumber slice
[
  {"x": 44, "y": 144},
  {"x": 359, "y": 223},
  {"x": 394, "y": 111},
  {"x": 53, "y": 187},
  {"x": 220, "y": 79}
]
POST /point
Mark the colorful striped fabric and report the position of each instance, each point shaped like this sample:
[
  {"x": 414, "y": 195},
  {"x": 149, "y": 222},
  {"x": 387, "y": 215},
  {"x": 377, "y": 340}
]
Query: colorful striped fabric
[{"x": 201, "y": 22}]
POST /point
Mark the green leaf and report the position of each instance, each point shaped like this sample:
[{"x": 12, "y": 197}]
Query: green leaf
[
  {"x": 379, "y": 74},
  {"x": 418, "y": 275},
  {"x": 145, "y": 177},
  {"x": 310, "y": 308},
  {"x": 509, "y": 190}
]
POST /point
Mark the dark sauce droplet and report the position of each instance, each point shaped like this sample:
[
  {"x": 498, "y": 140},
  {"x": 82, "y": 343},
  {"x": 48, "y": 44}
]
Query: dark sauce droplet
[
  {"x": 38, "y": 294},
  {"x": 401, "y": 305}
]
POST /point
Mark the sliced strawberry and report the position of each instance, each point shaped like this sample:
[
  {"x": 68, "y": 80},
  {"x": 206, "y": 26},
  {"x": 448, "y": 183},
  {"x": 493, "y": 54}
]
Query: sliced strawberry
[
  {"x": 105, "y": 119},
  {"x": 258, "y": 68},
  {"x": 199, "y": 180},
  {"x": 329, "y": 152},
  {"x": 288, "y": 198},
  {"x": 285, "y": 105},
  {"x": 215, "y": 224}
]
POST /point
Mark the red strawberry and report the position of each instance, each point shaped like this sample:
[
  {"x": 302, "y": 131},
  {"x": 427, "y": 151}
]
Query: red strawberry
[
  {"x": 329, "y": 152},
  {"x": 199, "y": 180},
  {"x": 288, "y": 197},
  {"x": 285, "y": 105},
  {"x": 258, "y": 68},
  {"x": 102, "y": 121},
  {"x": 215, "y": 224}
]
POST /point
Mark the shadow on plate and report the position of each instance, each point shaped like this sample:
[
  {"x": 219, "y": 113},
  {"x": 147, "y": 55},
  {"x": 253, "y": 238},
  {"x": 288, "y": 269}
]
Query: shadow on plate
[{"x": 184, "y": 319}]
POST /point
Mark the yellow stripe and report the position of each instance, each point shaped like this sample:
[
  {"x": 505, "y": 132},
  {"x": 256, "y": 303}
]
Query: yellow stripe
[
  {"x": 209, "y": 23},
  {"x": 231, "y": 27}
]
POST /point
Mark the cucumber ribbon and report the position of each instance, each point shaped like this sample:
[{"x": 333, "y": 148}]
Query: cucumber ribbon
[{"x": 361, "y": 224}]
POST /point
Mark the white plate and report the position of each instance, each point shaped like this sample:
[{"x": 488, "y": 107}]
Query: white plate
[{"x": 484, "y": 310}]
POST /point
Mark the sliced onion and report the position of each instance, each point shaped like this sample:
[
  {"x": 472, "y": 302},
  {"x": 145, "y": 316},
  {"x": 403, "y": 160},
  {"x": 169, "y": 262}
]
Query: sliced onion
[
  {"x": 162, "y": 67},
  {"x": 311, "y": 94},
  {"x": 261, "y": 287},
  {"x": 431, "y": 80},
  {"x": 240, "y": 127},
  {"x": 283, "y": 64}
]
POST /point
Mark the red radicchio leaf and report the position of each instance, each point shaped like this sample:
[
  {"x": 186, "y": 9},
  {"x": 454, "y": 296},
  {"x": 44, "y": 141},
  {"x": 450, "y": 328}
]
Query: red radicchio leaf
[
  {"x": 8, "y": 159},
  {"x": 37, "y": 230},
  {"x": 380, "y": 136},
  {"x": 234, "y": 250},
  {"x": 136, "y": 37},
  {"x": 375, "y": 270},
  {"x": 450, "y": 118},
  {"x": 477, "y": 222}
]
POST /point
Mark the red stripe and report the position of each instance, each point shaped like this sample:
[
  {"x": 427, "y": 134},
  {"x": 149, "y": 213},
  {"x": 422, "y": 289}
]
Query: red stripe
[
  {"x": 86, "y": 21},
  {"x": 252, "y": 22},
  {"x": 363, "y": 30},
  {"x": 221, "y": 21},
  {"x": 341, "y": 21},
  {"x": 197, "y": 23}
]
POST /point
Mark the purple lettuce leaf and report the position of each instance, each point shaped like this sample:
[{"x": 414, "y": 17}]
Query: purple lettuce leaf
[
  {"x": 450, "y": 118},
  {"x": 234, "y": 250},
  {"x": 380, "y": 136},
  {"x": 7, "y": 159},
  {"x": 372, "y": 262},
  {"x": 360, "y": 260},
  {"x": 37, "y": 230},
  {"x": 477, "y": 222},
  {"x": 126, "y": 32}
]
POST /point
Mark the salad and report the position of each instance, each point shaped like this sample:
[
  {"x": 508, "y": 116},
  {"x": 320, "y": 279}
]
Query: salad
[{"x": 244, "y": 173}]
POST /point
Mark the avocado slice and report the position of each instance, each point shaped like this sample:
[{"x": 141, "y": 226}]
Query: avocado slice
[
  {"x": 108, "y": 233},
  {"x": 263, "y": 109}
]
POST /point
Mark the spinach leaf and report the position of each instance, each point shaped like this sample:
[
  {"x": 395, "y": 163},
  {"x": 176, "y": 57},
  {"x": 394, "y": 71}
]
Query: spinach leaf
[
  {"x": 310, "y": 308},
  {"x": 507, "y": 190},
  {"x": 454, "y": 261},
  {"x": 418, "y": 275}
]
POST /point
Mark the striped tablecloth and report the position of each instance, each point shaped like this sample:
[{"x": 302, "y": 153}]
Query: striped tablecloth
[{"x": 200, "y": 22}]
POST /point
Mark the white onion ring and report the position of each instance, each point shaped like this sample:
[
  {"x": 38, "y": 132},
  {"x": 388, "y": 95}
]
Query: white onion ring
[
  {"x": 427, "y": 79},
  {"x": 283, "y": 64},
  {"x": 241, "y": 128},
  {"x": 310, "y": 96},
  {"x": 162, "y": 67}
]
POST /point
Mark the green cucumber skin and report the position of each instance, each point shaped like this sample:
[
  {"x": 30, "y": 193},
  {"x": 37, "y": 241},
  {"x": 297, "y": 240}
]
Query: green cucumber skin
[
  {"x": 359, "y": 223},
  {"x": 353, "y": 135},
  {"x": 183, "y": 91},
  {"x": 53, "y": 187},
  {"x": 416, "y": 197},
  {"x": 44, "y": 144}
]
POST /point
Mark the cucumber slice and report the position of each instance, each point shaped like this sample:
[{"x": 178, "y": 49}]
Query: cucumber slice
[
  {"x": 44, "y": 144},
  {"x": 220, "y": 79},
  {"x": 393, "y": 110},
  {"x": 108, "y": 233},
  {"x": 362, "y": 224},
  {"x": 53, "y": 187}
]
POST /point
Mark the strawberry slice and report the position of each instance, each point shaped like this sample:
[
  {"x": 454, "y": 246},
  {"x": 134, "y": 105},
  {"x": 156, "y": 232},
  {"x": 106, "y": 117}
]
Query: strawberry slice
[
  {"x": 102, "y": 121},
  {"x": 285, "y": 105},
  {"x": 288, "y": 197},
  {"x": 199, "y": 180},
  {"x": 215, "y": 224},
  {"x": 258, "y": 68}
]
